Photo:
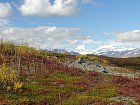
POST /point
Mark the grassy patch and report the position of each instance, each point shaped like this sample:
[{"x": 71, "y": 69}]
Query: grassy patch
[
  {"x": 79, "y": 99},
  {"x": 102, "y": 91}
]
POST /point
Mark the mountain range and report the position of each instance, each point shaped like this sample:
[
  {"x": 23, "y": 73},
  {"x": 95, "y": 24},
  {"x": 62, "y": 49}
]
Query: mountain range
[{"x": 110, "y": 51}]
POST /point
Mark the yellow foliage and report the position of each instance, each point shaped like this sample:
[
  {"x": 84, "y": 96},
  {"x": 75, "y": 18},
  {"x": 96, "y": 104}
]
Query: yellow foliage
[
  {"x": 24, "y": 49},
  {"x": 8, "y": 77},
  {"x": 81, "y": 56},
  {"x": 7, "y": 46},
  {"x": 94, "y": 58},
  {"x": 18, "y": 85},
  {"x": 105, "y": 62}
]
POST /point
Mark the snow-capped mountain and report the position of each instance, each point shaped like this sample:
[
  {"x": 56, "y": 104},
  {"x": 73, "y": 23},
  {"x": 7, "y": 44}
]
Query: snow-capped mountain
[
  {"x": 113, "y": 51},
  {"x": 109, "y": 50},
  {"x": 82, "y": 49}
]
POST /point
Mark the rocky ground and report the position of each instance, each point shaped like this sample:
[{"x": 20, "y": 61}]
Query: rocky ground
[{"x": 98, "y": 67}]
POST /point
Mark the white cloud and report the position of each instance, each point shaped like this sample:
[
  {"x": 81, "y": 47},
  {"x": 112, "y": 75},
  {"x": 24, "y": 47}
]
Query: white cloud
[
  {"x": 72, "y": 42},
  {"x": 45, "y": 37},
  {"x": 44, "y": 8},
  {"x": 129, "y": 36},
  {"x": 5, "y": 10}
]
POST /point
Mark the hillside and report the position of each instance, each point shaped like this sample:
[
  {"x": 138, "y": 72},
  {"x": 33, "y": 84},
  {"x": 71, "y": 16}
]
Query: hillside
[
  {"x": 35, "y": 77},
  {"x": 131, "y": 62}
]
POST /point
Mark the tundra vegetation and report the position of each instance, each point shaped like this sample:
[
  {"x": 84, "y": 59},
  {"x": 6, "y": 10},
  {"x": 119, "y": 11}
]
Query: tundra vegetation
[{"x": 30, "y": 76}]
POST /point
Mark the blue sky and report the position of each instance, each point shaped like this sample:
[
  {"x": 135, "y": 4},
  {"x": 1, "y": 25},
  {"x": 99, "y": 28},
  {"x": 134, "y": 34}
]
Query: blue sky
[{"x": 93, "y": 23}]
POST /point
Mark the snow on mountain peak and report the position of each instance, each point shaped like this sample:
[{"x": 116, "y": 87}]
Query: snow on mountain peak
[
  {"x": 117, "y": 51},
  {"x": 82, "y": 49},
  {"x": 109, "y": 50}
]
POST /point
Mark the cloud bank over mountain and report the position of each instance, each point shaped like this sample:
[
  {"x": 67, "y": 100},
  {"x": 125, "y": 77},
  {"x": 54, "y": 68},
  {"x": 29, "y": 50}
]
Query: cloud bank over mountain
[
  {"x": 128, "y": 36},
  {"x": 45, "y": 37}
]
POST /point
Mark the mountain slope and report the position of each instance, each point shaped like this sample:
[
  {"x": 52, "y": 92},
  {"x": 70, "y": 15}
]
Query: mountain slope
[
  {"x": 82, "y": 49},
  {"x": 112, "y": 51}
]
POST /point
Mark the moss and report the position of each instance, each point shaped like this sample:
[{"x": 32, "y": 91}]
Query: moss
[
  {"x": 108, "y": 77},
  {"x": 33, "y": 87},
  {"x": 102, "y": 91},
  {"x": 79, "y": 99},
  {"x": 66, "y": 77}
]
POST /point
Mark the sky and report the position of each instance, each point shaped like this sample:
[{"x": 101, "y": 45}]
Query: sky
[{"x": 69, "y": 24}]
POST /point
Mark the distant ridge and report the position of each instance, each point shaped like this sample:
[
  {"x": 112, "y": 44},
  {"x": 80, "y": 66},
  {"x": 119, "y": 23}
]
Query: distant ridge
[
  {"x": 110, "y": 51},
  {"x": 119, "y": 53}
]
